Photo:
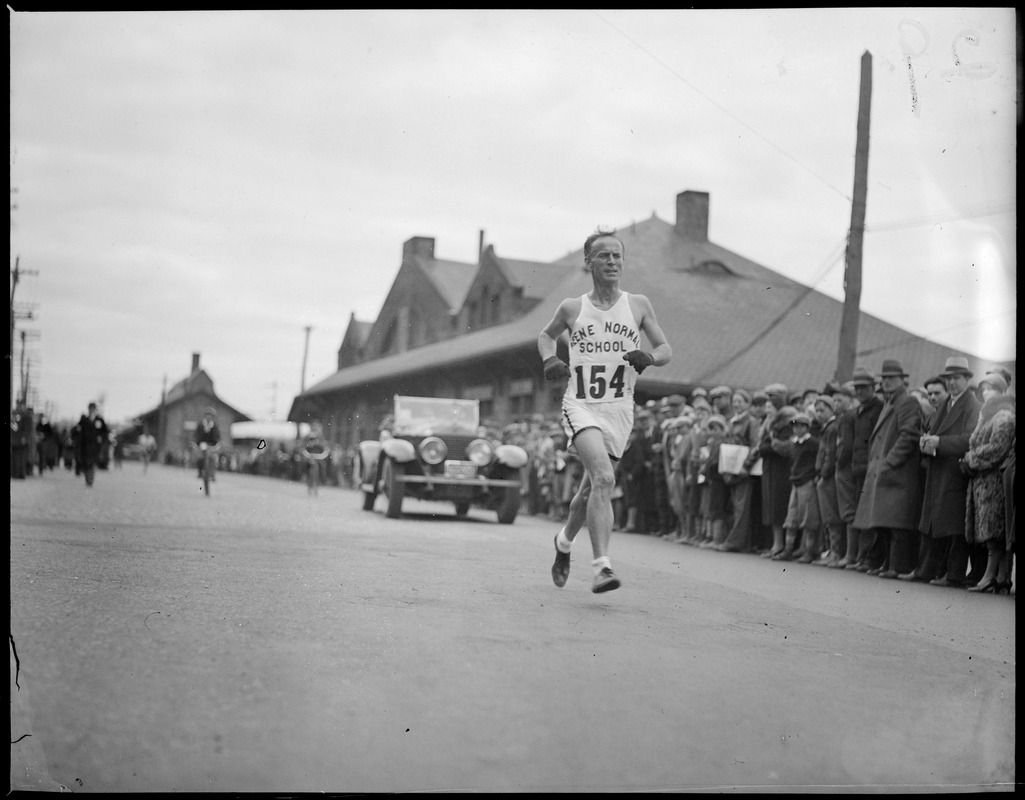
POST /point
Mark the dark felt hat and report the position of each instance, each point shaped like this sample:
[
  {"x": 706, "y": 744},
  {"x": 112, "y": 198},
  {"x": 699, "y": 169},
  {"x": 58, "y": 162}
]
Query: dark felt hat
[{"x": 892, "y": 368}]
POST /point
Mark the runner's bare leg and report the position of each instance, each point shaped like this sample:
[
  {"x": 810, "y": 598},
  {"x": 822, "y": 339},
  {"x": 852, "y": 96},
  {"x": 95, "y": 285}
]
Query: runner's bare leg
[
  {"x": 577, "y": 516},
  {"x": 594, "y": 498}
]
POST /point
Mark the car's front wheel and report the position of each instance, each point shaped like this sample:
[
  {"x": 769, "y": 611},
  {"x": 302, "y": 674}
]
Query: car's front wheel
[
  {"x": 509, "y": 504},
  {"x": 369, "y": 495},
  {"x": 394, "y": 488}
]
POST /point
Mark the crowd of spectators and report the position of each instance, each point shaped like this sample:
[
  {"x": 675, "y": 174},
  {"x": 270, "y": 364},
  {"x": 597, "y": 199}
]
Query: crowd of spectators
[
  {"x": 876, "y": 475},
  {"x": 280, "y": 460},
  {"x": 39, "y": 446},
  {"x": 899, "y": 481}
]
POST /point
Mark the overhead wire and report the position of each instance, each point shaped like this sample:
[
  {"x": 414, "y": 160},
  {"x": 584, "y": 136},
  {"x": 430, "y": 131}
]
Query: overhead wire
[
  {"x": 936, "y": 219},
  {"x": 827, "y": 266},
  {"x": 722, "y": 108},
  {"x": 831, "y": 261},
  {"x": 914, "y": 337}
]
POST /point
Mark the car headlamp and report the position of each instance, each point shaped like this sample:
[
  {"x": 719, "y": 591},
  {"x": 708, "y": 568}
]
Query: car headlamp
[
  {"x": 480, "y": 452},
  {"x": 433, "y": 450}
]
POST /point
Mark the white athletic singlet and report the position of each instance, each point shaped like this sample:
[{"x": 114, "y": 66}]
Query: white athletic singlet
[{"x": 597, "y": 343}]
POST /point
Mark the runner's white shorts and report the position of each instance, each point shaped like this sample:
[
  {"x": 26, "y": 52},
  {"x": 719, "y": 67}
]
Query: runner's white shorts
[{"x": 615, "y": 420}]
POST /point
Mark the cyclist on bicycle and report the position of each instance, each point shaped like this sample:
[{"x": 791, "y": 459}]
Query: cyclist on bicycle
[{"x": 208, "y": 440}]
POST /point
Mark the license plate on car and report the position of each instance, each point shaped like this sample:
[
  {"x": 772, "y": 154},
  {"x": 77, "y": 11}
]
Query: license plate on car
[{"x": 460, "y": 469}]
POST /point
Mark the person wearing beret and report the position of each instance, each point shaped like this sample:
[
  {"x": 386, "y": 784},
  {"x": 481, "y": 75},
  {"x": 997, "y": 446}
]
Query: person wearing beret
[
  {"x": 891, "y": 498},
  {"x": 943, "y": 553}
]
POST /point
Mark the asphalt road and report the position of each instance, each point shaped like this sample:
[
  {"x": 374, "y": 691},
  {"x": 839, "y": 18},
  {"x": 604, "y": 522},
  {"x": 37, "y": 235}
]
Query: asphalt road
[{"x": 264, "y": 640}]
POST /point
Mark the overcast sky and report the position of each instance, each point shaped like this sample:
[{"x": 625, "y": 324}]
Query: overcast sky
[{"x": 215, "y": 182}]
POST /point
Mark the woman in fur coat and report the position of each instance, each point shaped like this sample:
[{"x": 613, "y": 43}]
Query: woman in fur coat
[{"x": 991, "y": 443}]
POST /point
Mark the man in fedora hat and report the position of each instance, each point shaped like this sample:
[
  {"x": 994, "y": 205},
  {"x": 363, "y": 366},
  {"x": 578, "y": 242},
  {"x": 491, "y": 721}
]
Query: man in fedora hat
[
  {"x": 890, "y": 503},
  {"x": 93, "y": 440},
  {"x": 852, "y": 464},
  {"x": 943, "y": 552}
]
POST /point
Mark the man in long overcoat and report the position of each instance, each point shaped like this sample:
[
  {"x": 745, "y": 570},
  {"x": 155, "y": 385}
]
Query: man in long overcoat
[
  {"x": 943, "y": 550},
  {"x": 93, "y": 440},
  {"x": 866, "y": 413},
  {"x": 890, "y": 503}
]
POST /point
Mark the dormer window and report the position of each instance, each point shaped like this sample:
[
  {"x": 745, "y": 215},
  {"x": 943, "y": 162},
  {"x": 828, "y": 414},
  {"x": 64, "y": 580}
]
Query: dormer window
[{"x": 712, "y": 266}]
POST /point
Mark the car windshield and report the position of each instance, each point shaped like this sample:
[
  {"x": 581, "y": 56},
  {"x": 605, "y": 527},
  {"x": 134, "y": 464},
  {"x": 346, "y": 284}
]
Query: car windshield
[{"x": 427, "y": 416}]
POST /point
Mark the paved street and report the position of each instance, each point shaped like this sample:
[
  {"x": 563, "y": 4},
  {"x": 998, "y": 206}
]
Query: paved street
[{"x": 264, "y": 640}]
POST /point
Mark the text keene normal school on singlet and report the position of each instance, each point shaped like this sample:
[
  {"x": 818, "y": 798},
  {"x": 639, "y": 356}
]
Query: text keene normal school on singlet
[{"x": 597, "y": 344}]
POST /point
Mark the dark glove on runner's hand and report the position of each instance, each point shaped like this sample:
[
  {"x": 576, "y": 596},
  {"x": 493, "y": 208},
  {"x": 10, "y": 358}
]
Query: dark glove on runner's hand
[
  {"x": 639, "y": 360},
  {"x": 555, "y": 369}
]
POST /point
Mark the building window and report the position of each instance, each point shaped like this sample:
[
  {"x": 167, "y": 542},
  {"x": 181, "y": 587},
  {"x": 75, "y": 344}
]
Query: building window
[
  {"x": 521, "y": 387},
  {"x": 521, "y": 405},
  {"x": 482, "y": 392}
]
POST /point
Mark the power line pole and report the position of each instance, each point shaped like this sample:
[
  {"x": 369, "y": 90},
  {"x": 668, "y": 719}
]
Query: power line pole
[
  {"x": 17, "y": 312},
  {"x": 306, "y": 350},
  {"x": 856, "y": 235}
]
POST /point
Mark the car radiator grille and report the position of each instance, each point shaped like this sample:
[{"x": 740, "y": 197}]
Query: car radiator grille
[{"x": 456, "y": 452}]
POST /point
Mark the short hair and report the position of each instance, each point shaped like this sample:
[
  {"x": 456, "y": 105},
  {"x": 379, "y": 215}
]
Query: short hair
[{"x": 600, "y": 233}]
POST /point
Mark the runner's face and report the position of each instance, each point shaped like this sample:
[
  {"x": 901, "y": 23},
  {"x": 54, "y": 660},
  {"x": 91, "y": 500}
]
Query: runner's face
[{"x": 606, "y": 259}]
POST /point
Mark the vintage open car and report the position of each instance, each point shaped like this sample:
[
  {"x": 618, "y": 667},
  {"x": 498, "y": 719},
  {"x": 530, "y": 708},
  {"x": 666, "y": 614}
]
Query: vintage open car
[{"x": 432, "y": 450}]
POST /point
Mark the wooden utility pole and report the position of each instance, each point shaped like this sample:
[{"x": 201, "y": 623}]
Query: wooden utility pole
[
  {"x": 306, "y": 350},
  {"x": 23, "y": 311},
  {"x": 856, "y": 235},
  {"x": 162, "y": 421}
]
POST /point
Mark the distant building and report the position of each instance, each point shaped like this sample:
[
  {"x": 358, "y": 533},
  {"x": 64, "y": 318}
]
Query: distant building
[
  {"x": 470, "y": 330},
  {"x": 173, "y": 422}
]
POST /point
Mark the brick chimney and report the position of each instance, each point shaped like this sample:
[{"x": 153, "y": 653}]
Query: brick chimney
[
  {"x": 692, "y": 215},
  {"x": 418, "y": 246},
  {"x": 195, "y": 362}
]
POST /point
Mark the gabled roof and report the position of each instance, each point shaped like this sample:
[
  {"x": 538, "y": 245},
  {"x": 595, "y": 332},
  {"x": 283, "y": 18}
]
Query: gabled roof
[
  {"x": 729, "y": 320},
  {"x": 183, "y": 389},
  {"x": 451, "y": 278},
  {"x": 358, "y": 331},
  {"x": 535, "y": 278}
]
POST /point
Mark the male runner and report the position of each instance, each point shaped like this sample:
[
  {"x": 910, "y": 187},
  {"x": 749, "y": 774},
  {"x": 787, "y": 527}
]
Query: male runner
[{"x": 605, "y": 358}]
